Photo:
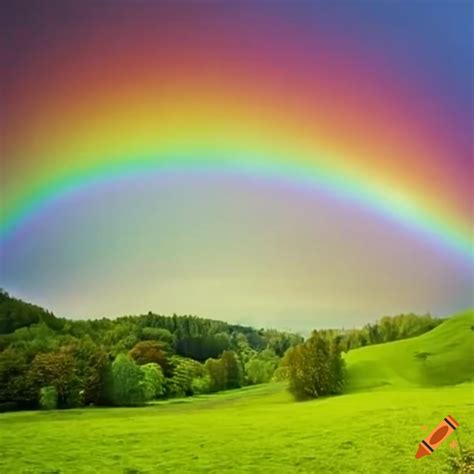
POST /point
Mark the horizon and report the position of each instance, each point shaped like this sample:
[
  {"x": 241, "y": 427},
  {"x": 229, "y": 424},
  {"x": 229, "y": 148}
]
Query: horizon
[{"x": 305, "y": 331}]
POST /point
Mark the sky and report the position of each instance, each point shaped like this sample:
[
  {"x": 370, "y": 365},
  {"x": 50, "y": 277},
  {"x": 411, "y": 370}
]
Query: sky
[{"x": 277, "y": 164}]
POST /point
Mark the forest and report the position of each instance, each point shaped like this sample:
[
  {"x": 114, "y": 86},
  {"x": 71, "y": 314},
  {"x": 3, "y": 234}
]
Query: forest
[{"x": 49, "y": 362}]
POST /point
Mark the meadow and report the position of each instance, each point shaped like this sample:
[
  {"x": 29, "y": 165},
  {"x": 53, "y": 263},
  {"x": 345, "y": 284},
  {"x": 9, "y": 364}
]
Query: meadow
[{"x": 394, "y": 389}]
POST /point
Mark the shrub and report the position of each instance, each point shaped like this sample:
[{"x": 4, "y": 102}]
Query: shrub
[
  {"x": 201, "y": 385},
  {"x": 173, "y": 389}
]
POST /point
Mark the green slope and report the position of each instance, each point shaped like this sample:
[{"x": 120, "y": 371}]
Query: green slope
[
  {"x": 442, "y": 356},
  {"x": 257, "y": 430}
]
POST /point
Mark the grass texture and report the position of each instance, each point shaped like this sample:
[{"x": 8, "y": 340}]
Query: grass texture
[{"x": 375, "y": 427}]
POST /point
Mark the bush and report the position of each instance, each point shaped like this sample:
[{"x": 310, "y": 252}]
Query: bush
[
  {"x": 173, "y": 389},
  {"x": 48, "y": 398},
  {"x": 201, "y": 385}
]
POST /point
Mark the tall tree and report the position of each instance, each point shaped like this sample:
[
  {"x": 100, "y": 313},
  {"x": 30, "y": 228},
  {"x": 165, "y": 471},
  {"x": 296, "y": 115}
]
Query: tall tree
[
  {"x": 126, "y": 382},
  {"x": 145, "y": 352},
  {"x": 232, "y": 369},
  {"x": 314, "y": 369},
  {"x": 58, "y": 370}
]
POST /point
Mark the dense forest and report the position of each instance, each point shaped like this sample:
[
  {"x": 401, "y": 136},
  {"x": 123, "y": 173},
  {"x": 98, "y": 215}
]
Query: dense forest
[{"x": 49, "y": 362}]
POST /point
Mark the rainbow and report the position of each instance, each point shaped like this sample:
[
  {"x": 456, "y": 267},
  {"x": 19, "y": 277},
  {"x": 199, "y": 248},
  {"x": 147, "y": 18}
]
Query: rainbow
[{"x": 133, "y": 98}]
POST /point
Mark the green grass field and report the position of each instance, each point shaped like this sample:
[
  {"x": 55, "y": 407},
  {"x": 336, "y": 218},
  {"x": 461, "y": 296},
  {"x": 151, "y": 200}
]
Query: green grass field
[
  {"x": 376, "y": 427},
  {"x": 443, "y": 356}
]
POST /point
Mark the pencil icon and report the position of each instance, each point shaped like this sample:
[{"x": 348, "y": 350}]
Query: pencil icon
[{"x": 436, "y": 437}]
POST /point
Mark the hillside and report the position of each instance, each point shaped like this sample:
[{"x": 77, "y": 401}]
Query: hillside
[
  {"x": 261, "y": 428},
  {"x": 443, "y": 356}
]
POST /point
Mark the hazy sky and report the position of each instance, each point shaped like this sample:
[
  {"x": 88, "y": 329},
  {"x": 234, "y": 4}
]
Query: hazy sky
[
  {"x": 241, "y": 250},
  {"x": 369, "y": 97}
]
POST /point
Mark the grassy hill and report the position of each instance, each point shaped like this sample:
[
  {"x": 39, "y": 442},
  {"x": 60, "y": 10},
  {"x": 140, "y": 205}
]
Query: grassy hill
[
  {"x": 443, "y": 356},
  {"x": 253, "y": 430},
  {"x": 261, "y": 429}
]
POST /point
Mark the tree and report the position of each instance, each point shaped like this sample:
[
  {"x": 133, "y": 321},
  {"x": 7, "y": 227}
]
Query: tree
[
  {"x": 153, "y": 381},
  {"x": 258, "y": 371},
  {"x": 34, "y": 339},
  {"x": 373, "y": 333},
  {"x": 261, "y": 367},
  {"x": 122, "y": 336},
  {"x": 232, "y": 369},
  {"x": 184, "y": 372},
  {"x": 159, "y": 334},
  {"x": 243, "y": 347},
  {"x": 315, "y": 369},
  {"x": 217, "y": 374},
  {"x": 337, "y": 368},
  {"x": 145, "y": 352},
  {"x": 280, "y": 342},
  {"x": 92, "y": 363},
  {"x": 16, "y": 387},
  {"x": 58, "y": 370},
  {"x": 225, "y": 372},
  {"x": 126, "y": 386},
  {"x": 388, "y": 329},
  {"x": 38, "y": 350},
  {"x": 203, "y": 346}
]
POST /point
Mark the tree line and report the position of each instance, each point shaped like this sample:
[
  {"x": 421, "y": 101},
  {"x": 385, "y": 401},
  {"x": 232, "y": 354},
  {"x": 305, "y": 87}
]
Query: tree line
[
  {"x": 49, "y": 362},
  {"x": 386, "y": 329},
  {"x": 55, "y": 362}
]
